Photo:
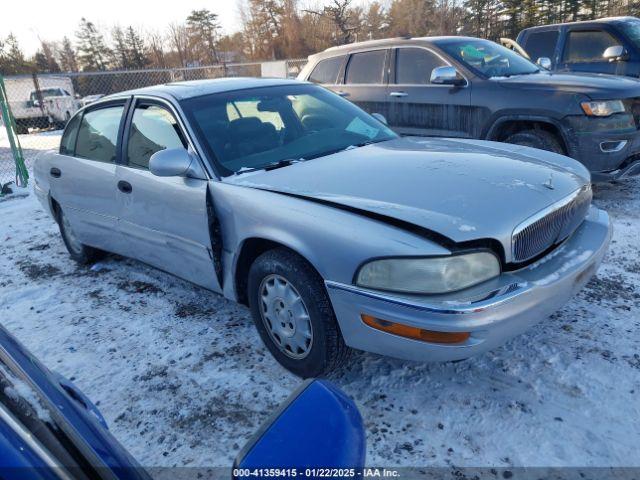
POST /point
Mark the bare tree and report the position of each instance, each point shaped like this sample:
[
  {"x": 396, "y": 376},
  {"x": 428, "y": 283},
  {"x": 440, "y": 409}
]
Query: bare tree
[
  {"x": 342, "y": 17},
  {"x": 179, "y": 38},
  {"x": 156, "y": 42}
]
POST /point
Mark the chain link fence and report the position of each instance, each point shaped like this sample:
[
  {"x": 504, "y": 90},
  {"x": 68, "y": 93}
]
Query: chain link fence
[{"x": 42, "y": 104}]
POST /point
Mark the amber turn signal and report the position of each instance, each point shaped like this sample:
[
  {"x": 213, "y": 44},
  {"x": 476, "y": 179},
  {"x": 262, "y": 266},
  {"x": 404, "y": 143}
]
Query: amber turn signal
[{"x": 414, "y": 333}]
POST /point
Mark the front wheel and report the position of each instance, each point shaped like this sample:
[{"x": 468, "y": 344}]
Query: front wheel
[
  {"x": 537, "y": 139},
  {"x": 293, "y": 315},
  {"x": 80, "y": 252}
]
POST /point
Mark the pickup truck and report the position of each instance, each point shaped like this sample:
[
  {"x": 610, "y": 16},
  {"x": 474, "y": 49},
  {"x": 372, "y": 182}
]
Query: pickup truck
[
  {"x": 607, "y": 45},
  {"x": 48, "y": 103}
]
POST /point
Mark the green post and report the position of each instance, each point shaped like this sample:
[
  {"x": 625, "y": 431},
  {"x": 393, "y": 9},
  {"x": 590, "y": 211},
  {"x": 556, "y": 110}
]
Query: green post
[{"x": 22, "y": 175}]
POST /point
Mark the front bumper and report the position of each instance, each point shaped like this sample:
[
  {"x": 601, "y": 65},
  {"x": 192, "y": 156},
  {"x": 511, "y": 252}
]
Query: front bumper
[
  {"x": 630, "y": 167},
  {"x": 609, "y": 147},
  {"x": 492, "y": 312}
]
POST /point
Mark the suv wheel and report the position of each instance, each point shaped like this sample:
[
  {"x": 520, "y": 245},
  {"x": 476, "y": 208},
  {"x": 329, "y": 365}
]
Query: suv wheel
[
  {"x": 537, "y": 139},
  {"x": 292, "y": 312},
  {"x": 80, "y": 252}
]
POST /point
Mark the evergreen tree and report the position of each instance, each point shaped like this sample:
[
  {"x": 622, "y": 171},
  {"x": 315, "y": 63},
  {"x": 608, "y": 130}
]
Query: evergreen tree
[
  {"x": 135, "y": 49},
  {"x": 203, "y": 27},
  {"x": 47, "y": 50},
  {"x": 412, "y": 17},
  {"x": 67, "y": 56},
  {"x": 375, "y": 22},
  {"x": 93, "y": 53},
  {"x": 12, "y": 59},
  {"x": 119, "y": 51}
]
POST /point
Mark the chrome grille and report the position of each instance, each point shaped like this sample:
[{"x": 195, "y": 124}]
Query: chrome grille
[{"x": 550, "y": 226}]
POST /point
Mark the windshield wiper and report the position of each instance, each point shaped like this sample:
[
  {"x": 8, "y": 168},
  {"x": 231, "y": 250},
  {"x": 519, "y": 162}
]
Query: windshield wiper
[
  {"x": 279, "y": 164},
  {"x": 270, "y": 166},
  {"x": 342, "y": 149},
  {"x": 509, "y": 75}
]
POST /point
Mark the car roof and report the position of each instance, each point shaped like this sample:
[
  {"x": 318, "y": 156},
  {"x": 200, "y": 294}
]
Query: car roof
[
  {"x": 395, "y": 41},
  {"x": 583, "y": 22},
  {"x": 196, "y": 88},
  {"x": 388, "y": 42}
]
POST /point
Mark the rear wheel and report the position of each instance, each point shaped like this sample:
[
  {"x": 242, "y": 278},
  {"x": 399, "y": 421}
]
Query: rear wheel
[
  {"x": 293, "y": 314},
  {"x": 80, "y": 252},
  {"x": 537, "y": 139}
]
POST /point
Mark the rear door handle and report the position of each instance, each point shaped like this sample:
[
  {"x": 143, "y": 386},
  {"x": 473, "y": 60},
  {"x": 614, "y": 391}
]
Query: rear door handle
[
  {"x": 398, "y": 94},
  {"x": 125, "y": 187},
  {"x": 55, "y": 172},
  {"x": 343, "y": 94}
]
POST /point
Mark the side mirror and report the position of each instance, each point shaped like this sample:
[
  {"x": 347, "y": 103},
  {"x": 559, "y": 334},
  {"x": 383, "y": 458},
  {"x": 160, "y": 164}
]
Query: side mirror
[
  {"x": 544, "y": 62},
  {"x": 615, "y": 53},
  {"x": 381, "y": 118},
  {"x": 318, "y": 426},
  {"x": 175, "y": 162},
  {"x": 446, "y": 76}
]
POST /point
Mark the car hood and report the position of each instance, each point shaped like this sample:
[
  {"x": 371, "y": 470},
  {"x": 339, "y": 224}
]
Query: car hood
[
  {"x": 596, "y": 86},
  {"x": 462, "y": 189}
]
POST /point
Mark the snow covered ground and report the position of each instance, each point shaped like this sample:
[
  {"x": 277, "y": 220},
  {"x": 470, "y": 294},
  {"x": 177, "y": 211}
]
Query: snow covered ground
[{"x": 182, "y": 378}]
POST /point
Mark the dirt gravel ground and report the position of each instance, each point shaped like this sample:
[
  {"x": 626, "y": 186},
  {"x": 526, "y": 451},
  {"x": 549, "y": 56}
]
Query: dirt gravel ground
[{"x": 182, "y": 378}]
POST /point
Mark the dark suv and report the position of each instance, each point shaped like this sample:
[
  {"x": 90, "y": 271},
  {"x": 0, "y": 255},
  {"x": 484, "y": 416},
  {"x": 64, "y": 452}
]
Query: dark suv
[
  {"x": 608, "y": 45},
  {"x": 473, "y": 88}
]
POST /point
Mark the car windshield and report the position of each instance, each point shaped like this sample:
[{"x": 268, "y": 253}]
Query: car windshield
[
  {"x": 488, "y": 58},
  {"x": 255, "y": 128},
  {"x": 631, "y": 28}
]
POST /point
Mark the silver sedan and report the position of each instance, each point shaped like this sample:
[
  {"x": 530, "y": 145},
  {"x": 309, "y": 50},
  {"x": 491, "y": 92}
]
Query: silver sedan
[{"x": 337, "y": 233}]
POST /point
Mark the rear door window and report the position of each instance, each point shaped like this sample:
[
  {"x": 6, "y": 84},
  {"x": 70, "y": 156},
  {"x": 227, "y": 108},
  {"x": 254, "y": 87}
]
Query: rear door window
[
  {"x": 414, "y": 65},
  {"x": 326, "y": 71},
  {"x": 366, "y": 68},
  {"x": 68, "y": 141},
  {"x": 541, "y": 44},
  {"x": 98, "y": 134},
  {"x": 587, "y": 46}
]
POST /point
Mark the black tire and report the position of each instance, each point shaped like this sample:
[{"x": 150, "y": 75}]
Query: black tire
[
  {"x": 21, "y": 129},
  {"x": 81, "y": 253},
  {"x": 327, "y": 351},
  {"x": 537, "y": 139}
]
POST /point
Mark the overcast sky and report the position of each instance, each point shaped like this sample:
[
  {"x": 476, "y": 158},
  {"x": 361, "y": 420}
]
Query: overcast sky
[{"x": 51, "y": 20}]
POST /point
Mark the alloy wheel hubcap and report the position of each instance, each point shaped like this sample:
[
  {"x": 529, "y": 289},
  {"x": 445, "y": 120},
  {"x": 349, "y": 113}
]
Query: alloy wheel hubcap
[{"x": 285, "y": 316}]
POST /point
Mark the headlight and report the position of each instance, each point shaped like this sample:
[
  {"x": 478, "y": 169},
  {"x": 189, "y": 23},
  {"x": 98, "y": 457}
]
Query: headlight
[
  {"x": 603, "y": 109},
  {"x": 429, "y": 275}
]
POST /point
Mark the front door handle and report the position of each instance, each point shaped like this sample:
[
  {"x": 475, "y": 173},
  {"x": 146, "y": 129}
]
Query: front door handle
[
  {"x": 343, "y": 94},
  {"x": 398, "y": 94},
  {"x": 125, "y": 187},
  {"x": 55, "y": 172}
]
